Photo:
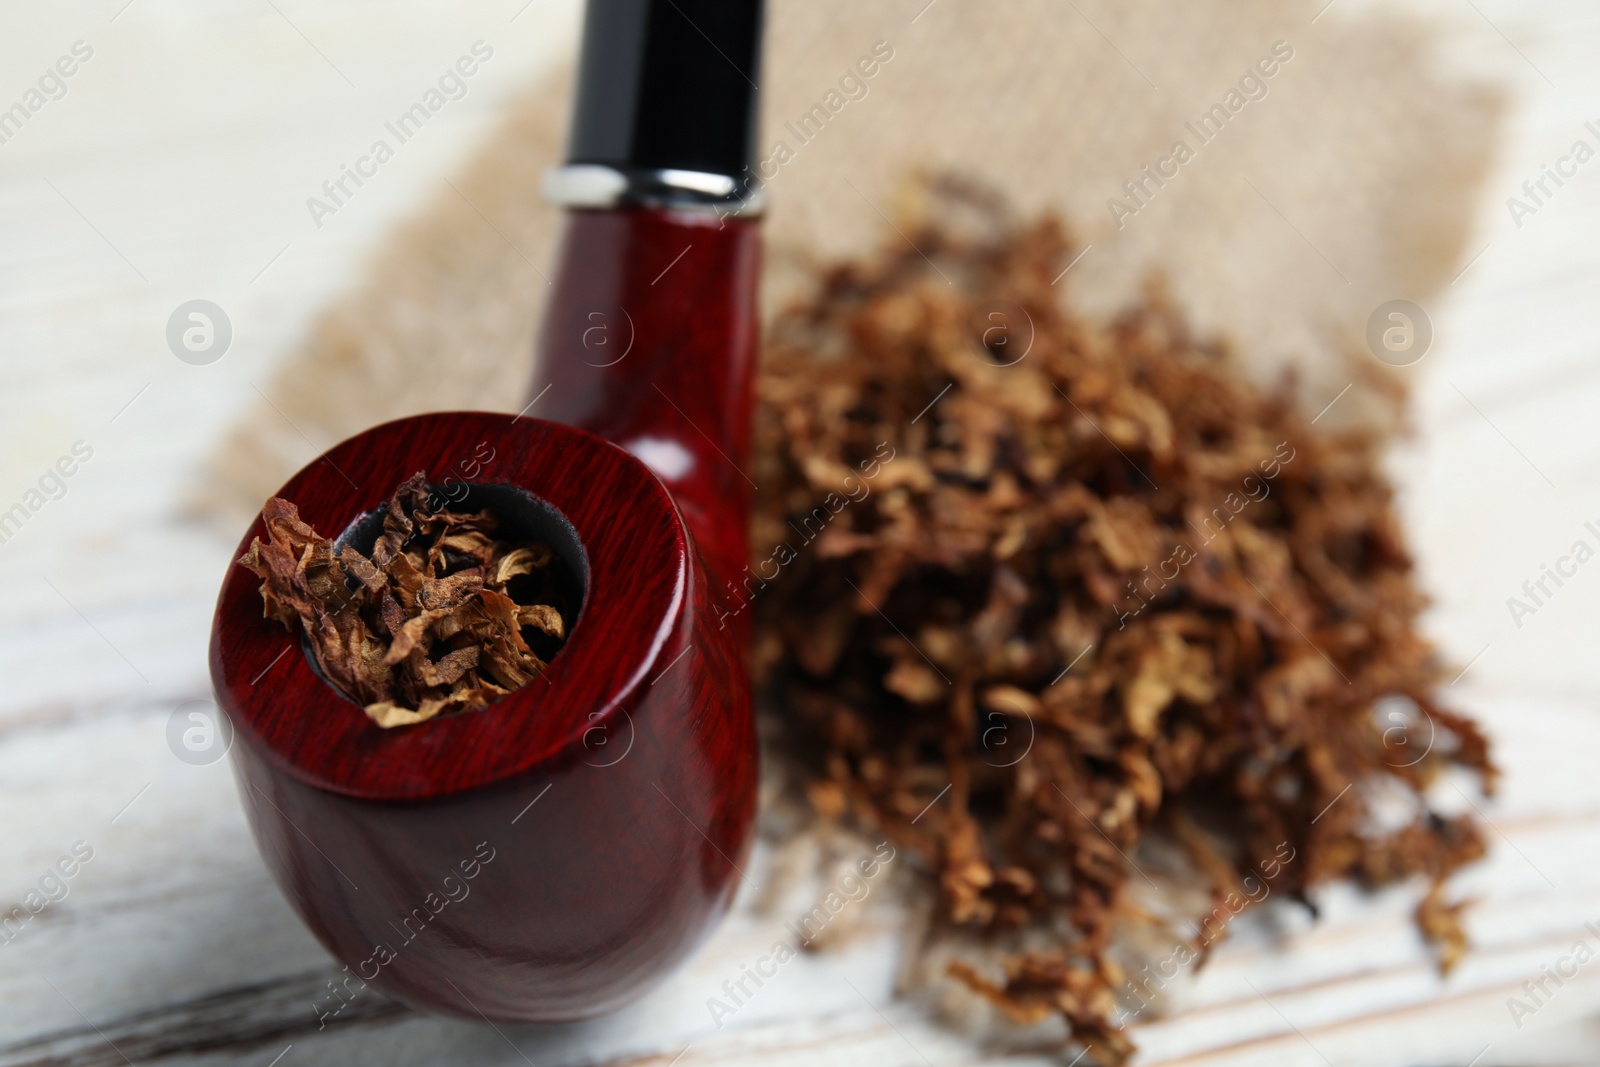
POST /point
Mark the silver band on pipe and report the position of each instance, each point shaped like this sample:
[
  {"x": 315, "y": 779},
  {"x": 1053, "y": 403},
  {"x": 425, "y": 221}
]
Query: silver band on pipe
[{"x": 594, "y": 185}]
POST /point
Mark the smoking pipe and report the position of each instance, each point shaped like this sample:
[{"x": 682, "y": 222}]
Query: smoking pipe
[{"x": 553, "y": 855}]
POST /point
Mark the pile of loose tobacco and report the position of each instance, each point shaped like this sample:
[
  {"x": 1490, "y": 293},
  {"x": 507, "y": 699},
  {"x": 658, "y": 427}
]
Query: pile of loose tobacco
[
  {"x": 442, "y": 616},
  {"x": 1049, "y": 587}
]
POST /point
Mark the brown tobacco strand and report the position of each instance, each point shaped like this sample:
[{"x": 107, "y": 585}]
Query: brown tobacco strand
[
  {"x": 1229, "y": 586},
  {"x": 437, "y": 619}
]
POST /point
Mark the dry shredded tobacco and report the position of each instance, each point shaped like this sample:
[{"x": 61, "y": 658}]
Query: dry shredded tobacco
[
  {"x": 1031, "y": 590},
  {"x": 441, "y": 617}
]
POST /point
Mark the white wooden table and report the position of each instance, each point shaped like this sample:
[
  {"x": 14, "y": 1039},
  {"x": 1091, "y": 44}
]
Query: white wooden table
[{"x": 177, "y": 166}]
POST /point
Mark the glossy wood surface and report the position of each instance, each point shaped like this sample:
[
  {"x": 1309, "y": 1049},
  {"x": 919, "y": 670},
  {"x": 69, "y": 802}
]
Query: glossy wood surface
[
  {"x": 554, "y": 855},
  {"x": 649, "y": 340}
]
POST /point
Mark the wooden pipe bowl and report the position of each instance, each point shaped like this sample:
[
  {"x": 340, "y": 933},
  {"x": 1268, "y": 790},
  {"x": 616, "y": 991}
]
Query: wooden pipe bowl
[{"x": 553, "y": 855}]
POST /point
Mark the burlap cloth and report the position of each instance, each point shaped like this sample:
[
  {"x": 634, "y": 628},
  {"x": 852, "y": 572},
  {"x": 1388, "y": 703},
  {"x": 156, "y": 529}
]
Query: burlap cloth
[{"x": 1349, "y": 183}]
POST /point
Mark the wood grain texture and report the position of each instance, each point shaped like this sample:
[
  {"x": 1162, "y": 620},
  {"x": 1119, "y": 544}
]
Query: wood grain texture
[
  {"x": 229, "y": 1020},
  {"x": 535, "y": 907}
]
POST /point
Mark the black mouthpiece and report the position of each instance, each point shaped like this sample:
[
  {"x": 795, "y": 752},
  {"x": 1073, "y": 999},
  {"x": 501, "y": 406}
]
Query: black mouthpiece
[{"x": 668, "y": 84}]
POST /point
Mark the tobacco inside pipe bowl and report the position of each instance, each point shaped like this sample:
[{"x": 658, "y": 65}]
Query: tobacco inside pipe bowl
[{"x": 470, "y": 536}]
